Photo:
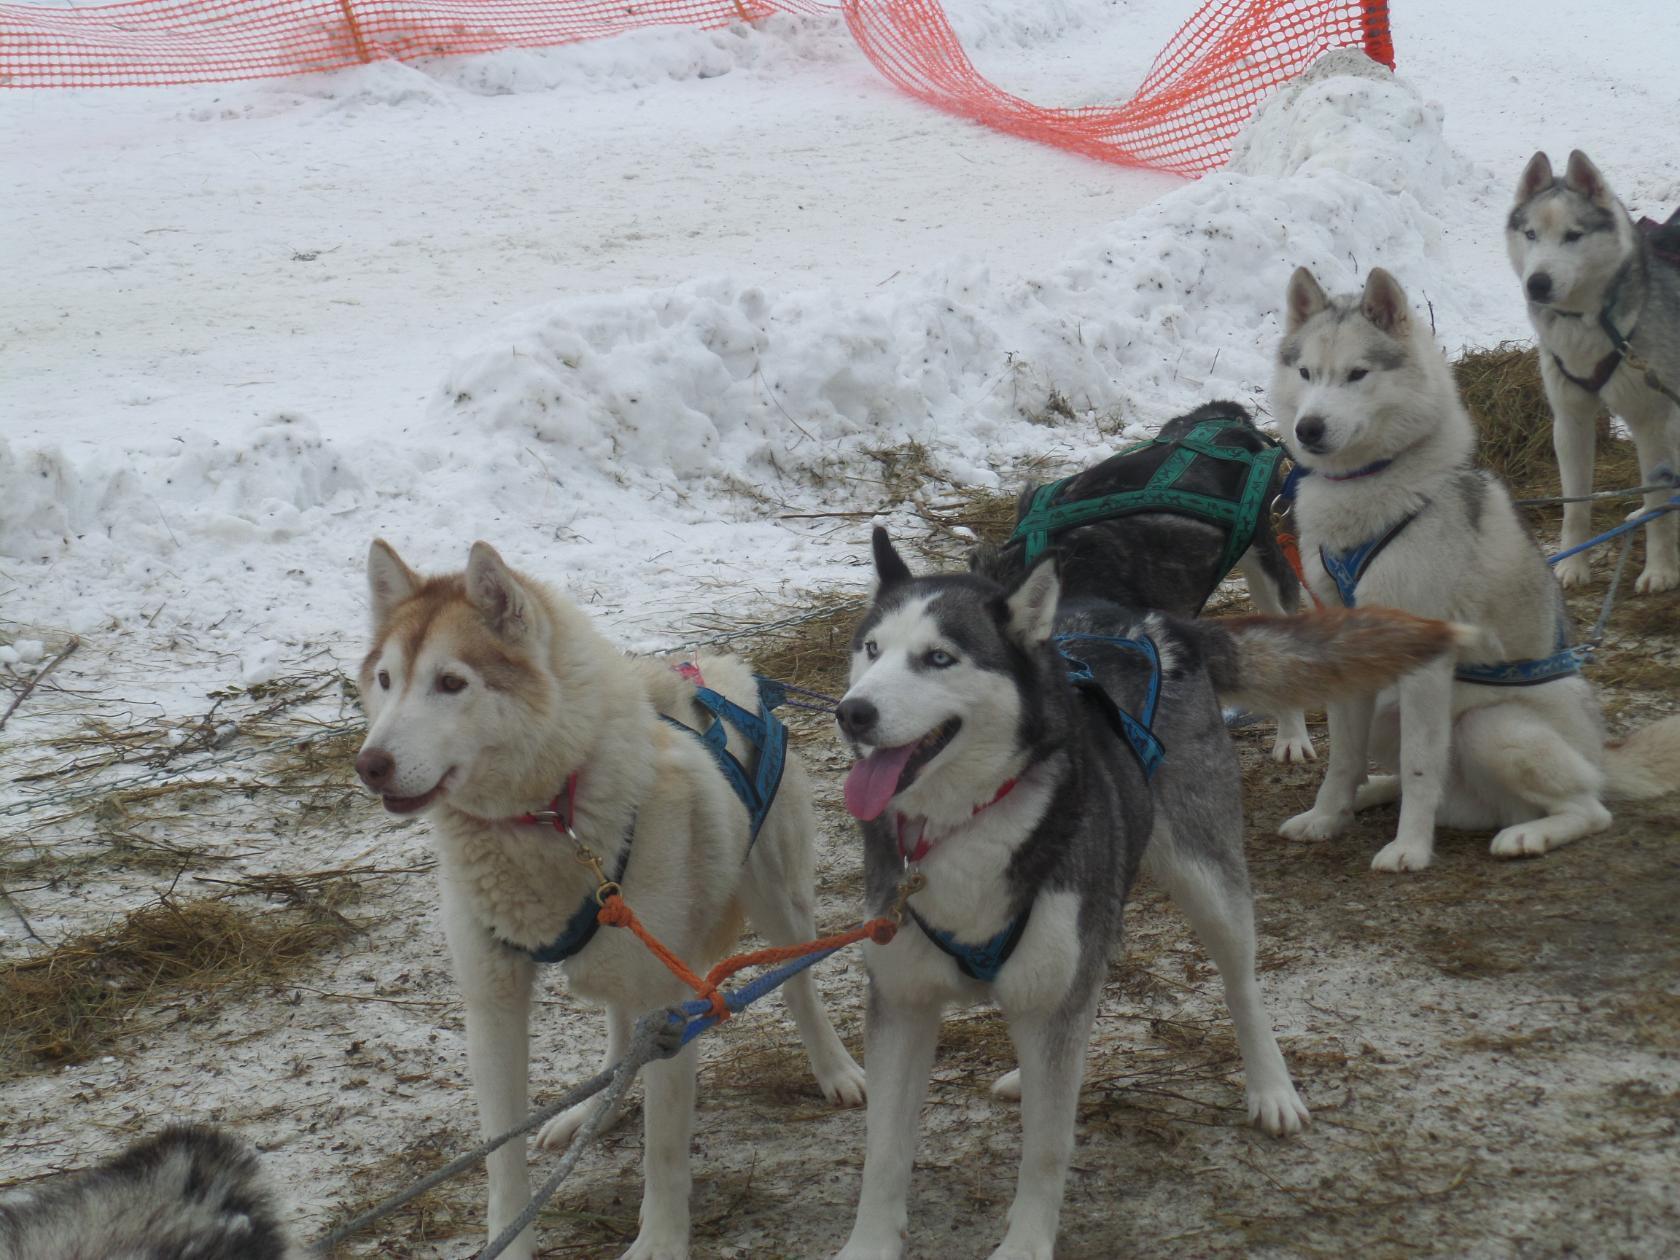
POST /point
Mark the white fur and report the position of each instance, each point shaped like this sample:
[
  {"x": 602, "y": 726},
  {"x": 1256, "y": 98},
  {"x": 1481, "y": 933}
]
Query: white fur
[
  {"x": 1525, "y": 760},
  {"x": 589, "y": 709}
]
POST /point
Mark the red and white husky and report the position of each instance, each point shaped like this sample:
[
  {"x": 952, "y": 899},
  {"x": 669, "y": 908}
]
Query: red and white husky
[{"x": 485, "y": 693}]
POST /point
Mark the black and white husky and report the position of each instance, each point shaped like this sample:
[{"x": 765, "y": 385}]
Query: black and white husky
[
  {"x": 1591, "y": 279},
  {"x": 1023, "y": 803},
  {"x": 190, "y": 1191},
  {"x": 1394, "y": 514}
]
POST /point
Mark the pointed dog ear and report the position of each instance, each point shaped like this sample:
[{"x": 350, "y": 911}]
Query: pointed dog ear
[
  {"x": 1304, "y": 299},
  {"x": 390, "y": 581},
  {"x": 1384, "y": 303},
  {"x": 1030, "y": 609},
  {"x": 1584, "y": 178},
  {"x": 1536, "y": 177},
  {"x": 890, "y": 568},
  {"x": 494, "y": 590}
]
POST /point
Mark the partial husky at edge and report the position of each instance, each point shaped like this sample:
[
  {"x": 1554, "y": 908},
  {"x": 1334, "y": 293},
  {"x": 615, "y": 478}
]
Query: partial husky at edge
[
  {"x": 1367, "y": 403},
  {"x": 1581, "y": 259}
]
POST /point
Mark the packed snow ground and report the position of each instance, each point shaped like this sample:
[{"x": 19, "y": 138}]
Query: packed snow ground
[{"x": 621, "y": 309}]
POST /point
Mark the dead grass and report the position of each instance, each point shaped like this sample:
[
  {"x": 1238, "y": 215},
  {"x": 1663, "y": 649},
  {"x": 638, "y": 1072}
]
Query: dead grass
[
  {"x": 1501, "y": 387},
  {"x": 85, "y": 995}
]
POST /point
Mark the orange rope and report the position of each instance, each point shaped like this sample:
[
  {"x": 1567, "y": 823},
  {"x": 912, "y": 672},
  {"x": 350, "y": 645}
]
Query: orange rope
[
  {"x": 1291, "y": 548},
  {"x": 615, "y": 913}
]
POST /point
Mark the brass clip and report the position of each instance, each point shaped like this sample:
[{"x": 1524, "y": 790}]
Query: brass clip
[{"x": 912, "y": 883}]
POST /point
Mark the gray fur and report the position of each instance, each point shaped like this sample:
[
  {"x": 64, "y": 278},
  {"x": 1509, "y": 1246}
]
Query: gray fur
[{"x": 189, "y": 1192}]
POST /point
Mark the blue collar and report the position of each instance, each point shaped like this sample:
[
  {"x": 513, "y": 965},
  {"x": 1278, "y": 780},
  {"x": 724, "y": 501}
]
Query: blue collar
[
  {"x": 980, "y": 962},
  {"x": 1370, "y": 470}
]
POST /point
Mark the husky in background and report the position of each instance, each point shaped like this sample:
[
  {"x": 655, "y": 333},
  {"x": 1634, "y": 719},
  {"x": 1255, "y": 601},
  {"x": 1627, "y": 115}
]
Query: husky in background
[
  {"x": 488, "y": 698},
  {"x": 1590, "y": 277},
  {"x": 1168, "y": 559},
  {"x": 188, "y": 1192},
  {"x": 1394, "y": 515},
  {"x": 984, "y": 771}
]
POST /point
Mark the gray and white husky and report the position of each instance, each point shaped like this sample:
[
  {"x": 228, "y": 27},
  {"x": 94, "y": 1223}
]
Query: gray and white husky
[
  {"x": 1587, "y": 271},
  {"x": 1394, "y": 514},
  {"x": 190, "y": 1191},
  {"x": 1007, "y": 789}
]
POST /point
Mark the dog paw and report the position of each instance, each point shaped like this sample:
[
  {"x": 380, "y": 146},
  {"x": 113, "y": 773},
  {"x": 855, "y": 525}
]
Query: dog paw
[
  {"x": 1293, "y": 751},
  {"x": 892, "y": 1249},
  {"x": 1278, "y": 1110},
  {"x": 1575, "y": 571},
  {"x": 1402, "y": 855},
  {"x": 1315, "y": 824},
  {"x": 1656, "y": 580},
  {"x": 843, "y": 1085},
  {"x": 1520, "y": 841},
  {"x": 657, "y": 1247},
  {"x": 557, "y": 1134},
  {"x": 1008, "y": 1086}
]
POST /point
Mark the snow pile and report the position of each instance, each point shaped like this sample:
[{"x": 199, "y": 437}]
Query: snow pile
[{"x": 716, "y": 379}]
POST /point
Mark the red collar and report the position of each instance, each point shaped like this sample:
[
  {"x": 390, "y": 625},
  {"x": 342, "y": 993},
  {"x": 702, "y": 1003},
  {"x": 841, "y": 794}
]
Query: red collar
[
  {"x": 555, "y": 816},
  {"x": 923, "y": 846}
]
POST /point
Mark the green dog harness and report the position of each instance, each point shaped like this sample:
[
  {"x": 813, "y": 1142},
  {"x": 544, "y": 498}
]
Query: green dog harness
[{"x": 1243, "y": 476}]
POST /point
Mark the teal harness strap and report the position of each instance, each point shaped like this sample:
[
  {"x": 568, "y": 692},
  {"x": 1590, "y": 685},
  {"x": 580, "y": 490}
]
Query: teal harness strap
[{"x": 1239, "y": 517}]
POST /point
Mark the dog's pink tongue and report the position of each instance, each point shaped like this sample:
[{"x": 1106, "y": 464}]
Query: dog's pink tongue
[{"x": 872, "y": 781}]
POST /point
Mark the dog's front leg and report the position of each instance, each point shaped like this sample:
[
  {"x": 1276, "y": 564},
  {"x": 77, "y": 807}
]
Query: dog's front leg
[
  {"x": 1657, "y": 439},
  {"x": 1574, "y": 439},
  {"x": 496, "y": 983},
  {"x": 1051, "y": 1047},
  {"x": 667, "y": 1127},
  {"x": 1425, "y": 750},
  {"x": 900, "y": 1035},
  {"x": 1350, "y": 744},
  {"x": 1293, "y": 743}
]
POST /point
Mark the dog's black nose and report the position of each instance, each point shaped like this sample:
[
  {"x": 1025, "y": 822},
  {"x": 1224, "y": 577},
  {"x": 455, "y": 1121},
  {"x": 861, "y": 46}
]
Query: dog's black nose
[
  {"x": 1540, "y": 286},
  {"x": 857, "y": 717},
  {"x": 376, "y": 766},
  {"x": 1309, "y": 432}
]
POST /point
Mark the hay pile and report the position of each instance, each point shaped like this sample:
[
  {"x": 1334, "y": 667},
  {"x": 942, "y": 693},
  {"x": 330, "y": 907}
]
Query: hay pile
[{"x": 68, "y": 1004}]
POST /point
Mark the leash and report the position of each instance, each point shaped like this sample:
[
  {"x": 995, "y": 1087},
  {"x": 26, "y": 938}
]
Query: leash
[{"x": 658, "y": 1034}]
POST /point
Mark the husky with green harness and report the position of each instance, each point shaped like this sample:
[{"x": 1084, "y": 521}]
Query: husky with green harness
[{"x": 1160, "y": 524}]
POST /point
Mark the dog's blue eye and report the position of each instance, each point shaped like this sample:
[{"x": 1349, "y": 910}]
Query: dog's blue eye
[
  {"x": 1304, "y": 374},
  {"x": 871, "y": 649},
  {"x": 384, "y": 680},
  {"x": 1357, "y": 374},
  {"x": 939, "y": 658},
  {"x": 1569, "y": 238},
  {"x": 1531, "y": 234}
]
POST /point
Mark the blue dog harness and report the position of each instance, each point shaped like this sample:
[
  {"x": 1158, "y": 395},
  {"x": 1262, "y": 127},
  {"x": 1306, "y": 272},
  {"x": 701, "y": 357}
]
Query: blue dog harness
[
  {"x": 984, "y": 961},
  {"x": 1347, "y": 567},
  {"x": 756, "y": 790}
]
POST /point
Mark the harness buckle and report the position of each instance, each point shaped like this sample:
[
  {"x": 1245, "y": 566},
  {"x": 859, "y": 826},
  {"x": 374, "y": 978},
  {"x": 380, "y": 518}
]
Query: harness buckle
[{"x": 912, "y": 883}]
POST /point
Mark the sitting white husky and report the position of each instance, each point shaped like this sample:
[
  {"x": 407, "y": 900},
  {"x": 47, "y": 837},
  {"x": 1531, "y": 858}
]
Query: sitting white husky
[
  {"x": 1393, "y": 513},
  {"x": 490, "y": 698}
]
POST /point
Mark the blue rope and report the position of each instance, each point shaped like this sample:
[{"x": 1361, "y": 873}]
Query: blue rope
[
  {"x": 698, "y": 1012},
  {"x": 1644, "y": 518}
]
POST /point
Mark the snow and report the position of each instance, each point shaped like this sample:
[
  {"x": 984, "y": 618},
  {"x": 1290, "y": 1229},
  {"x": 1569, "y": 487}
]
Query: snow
[{"x": 626, "y": 308}]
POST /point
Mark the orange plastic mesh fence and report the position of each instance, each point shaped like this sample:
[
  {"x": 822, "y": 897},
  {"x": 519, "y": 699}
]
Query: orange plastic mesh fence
[{"x": 1198, "y": 92}]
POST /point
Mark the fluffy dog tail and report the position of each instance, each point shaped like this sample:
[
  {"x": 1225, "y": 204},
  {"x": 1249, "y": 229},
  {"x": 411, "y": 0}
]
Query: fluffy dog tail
[
  {"x": 1646, "y": 764},
  {"x": 1269, "y": 663}
]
